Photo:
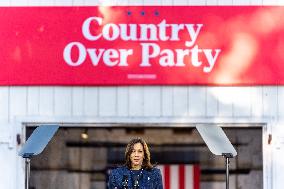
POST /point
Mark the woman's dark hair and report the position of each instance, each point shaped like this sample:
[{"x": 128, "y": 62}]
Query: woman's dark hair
[{"x": 146, "y": 164}]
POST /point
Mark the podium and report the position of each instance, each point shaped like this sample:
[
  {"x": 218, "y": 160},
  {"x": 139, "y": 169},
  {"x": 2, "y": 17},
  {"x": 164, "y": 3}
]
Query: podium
[
  {"x": 218, "y": 143},
  {"x": 35, "y": 145}
]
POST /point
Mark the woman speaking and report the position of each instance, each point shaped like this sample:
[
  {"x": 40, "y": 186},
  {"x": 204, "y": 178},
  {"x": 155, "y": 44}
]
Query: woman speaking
[{"x": 138, "y": 172}]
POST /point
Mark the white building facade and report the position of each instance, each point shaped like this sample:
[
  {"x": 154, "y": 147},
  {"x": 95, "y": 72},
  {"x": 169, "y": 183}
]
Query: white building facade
[{"x": 249, "y": 106}]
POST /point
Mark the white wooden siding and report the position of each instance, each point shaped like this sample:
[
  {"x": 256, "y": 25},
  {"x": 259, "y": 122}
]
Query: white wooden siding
[
  {"x": 107, "y": 101},
  {"x": 270, "y": 104},
  {"x": 77, "y": 101},
  {"x": 122, "y": 101},
  {"x": 212, "y": 105},
  {"x": 46, "y": 101},
  {"x": 62, "y": 101},
  {"x": 256, "y": 101},
  {"x": 32, "y": 97},
  {"x": 152, "y": 101},
  {"x": 17, "y": 101},
  {"x": 167, "y": 101},
  {"x": 136, "y": 100},
  {"x": 142, "y": 102},
  {"x": 90, "y": 99},
  {"x": 196, "y": 94}
]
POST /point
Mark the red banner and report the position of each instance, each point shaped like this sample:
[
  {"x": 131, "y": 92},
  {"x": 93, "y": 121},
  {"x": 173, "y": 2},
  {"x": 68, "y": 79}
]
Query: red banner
[{"x": 142, "y": 45}]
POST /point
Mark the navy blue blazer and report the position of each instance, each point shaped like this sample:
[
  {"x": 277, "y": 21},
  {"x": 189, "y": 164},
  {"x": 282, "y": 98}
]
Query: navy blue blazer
[{"x": 150, "y": 179}]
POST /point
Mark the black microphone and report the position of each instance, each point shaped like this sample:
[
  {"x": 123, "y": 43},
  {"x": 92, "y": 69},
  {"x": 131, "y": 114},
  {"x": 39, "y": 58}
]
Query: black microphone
[
  {"x": 125, "y": 182},
  {"x": 136, "y": 182}
]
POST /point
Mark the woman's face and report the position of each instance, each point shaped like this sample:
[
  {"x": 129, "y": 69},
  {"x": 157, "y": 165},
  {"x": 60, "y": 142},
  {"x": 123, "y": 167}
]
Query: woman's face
[{"x": 137, "y": 156}]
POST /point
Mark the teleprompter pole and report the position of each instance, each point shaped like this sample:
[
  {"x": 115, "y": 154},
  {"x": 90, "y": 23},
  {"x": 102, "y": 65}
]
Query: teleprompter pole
[
  {"x": 227, "y": 156},
  {"x": 27, "y": 170}
]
